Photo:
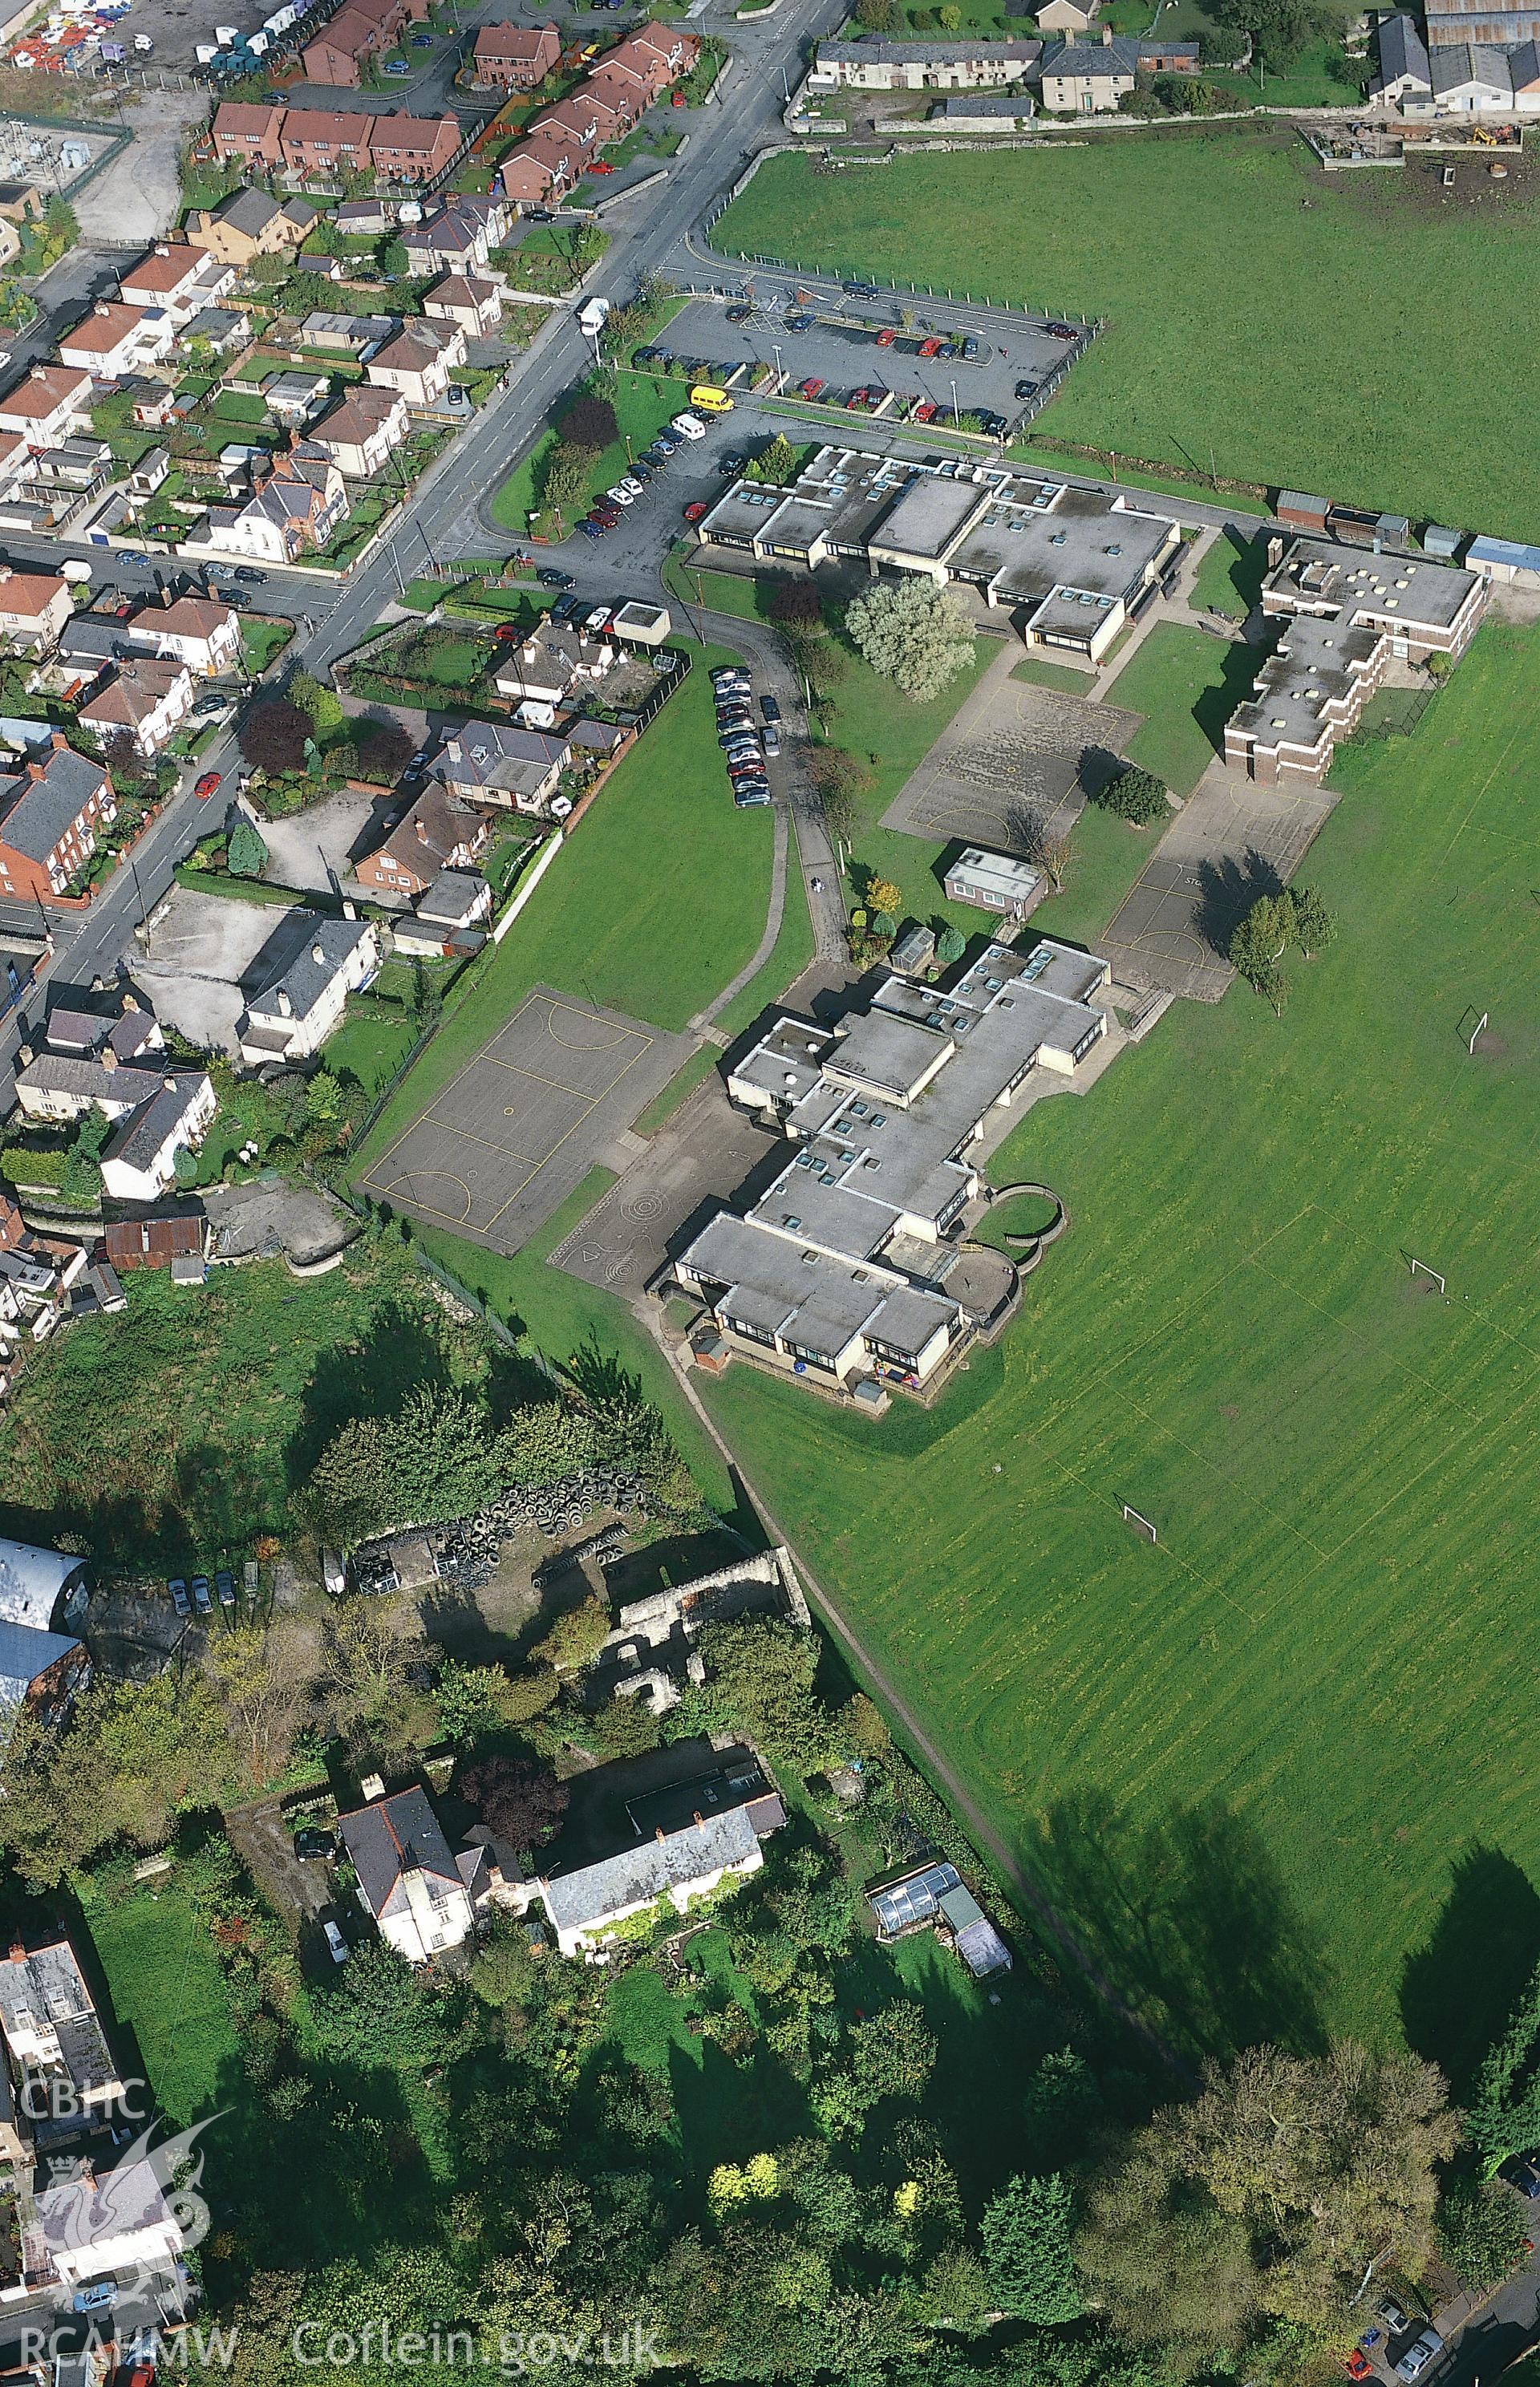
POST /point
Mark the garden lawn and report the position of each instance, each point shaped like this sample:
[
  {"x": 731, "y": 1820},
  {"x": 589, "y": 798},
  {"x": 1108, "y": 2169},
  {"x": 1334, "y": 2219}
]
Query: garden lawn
[
  {"x": 168, "y": 1992},
  {"x": 1186, "y": 684},
  {"x": 1271, "y": 1768},
  {"x": 371, "y": 1044},
  {"x": 643, "y": 403},
  {"x": 1228, "y": 577},
  {"x": 1232, "y": 250}
]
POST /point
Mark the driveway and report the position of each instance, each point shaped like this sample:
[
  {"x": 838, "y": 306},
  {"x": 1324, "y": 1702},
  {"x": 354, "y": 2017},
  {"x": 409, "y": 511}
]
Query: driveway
[
  {"x": 327, "y": 839},
  {"x": 138, "y": 198},
  {"x": 203, "y": 957}
]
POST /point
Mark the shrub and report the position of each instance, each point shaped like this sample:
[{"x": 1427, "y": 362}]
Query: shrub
[
  {"x": 1135, "y": 795},
  {"x": 247, "y": 855}
]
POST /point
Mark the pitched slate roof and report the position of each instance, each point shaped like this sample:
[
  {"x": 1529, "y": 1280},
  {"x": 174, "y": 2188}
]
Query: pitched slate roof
[
  {"x": 389, "y": 1838},
  {"x": 638, "y": 1875},
  {"x": 1402, "y": 52},
  {"x": 306, "y": 980},
  {"x": 34, "y": 813},
  {"x": 146, "y": 1131}
]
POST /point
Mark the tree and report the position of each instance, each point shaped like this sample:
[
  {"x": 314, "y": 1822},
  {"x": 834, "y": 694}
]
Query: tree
[
  {"x": 393, "y": 258},
  {"x": 376, "y": 2009},
  {"x": 1279, "y": 28},
  {"x": 263, "y": 1685},
  {"x": 575, "y": 1636},
  {"x": 1502, "y": 2115},
  {"x": 436, "y": 1459},
  {"x": 80, "y": 1178},
  {"x": 759, "y": 1681},
  {"x": 1265, "y": 2202},
  {"x": 502, "y": 1970},
  {"x": 469, "y": 1699},
  {"x": 588, "y": 422},
  {"x": 1482, "y": 2233},
  {"x": 385, "y": 746},
  {"x": 565, "y": 477},
  {"x": 776, "y": 462},
  {"x": 522, "y": 1802},
  {"x": 1258, "y": 942},
  {"x": 1135, "y": 795},
  {"x": 913, "y": 632},
  {"x": 875, "y": 15},
  {"x": 369, "y": 1654},
  {"x": 841, "y": 781},
  {"x": 1220, "y": 45},
  {"x": 1044, "y": 845},
  {"x": 882, "y": 895},
  {"x": 894, "y": 2051},
  {"x": 1314, "y": 925},
  {"x": 949, "y": 17},
  {"x": 796, "y": 604},
  {"x": 950, "y": 945},
  {"x": 246, "y": 853},
  {"x": 1029, "y": 2251},
  {"x": 273, "y": 734}
]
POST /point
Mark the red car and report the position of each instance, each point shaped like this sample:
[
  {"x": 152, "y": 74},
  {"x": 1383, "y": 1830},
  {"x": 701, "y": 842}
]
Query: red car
[
  {"x": 207, "y": 786},
  {"x": 679, "y": 100},
  {"x": 886, "y": 339},
  {"x": 1358, "y": 2364},
  {"x": 505, "y": 633},
  {"x": 856, "y": 401},
  {"x": 597, "y": 166},
  {"x": 695, "y": 512},
  {"x": 812, "y": 387},
  {"x": 930, "y": 347},
  {"x": 925, "y": 412}
]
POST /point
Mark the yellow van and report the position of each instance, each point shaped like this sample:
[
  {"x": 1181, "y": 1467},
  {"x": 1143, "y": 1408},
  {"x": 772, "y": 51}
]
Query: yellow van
[{"x": 708, "y": 399}]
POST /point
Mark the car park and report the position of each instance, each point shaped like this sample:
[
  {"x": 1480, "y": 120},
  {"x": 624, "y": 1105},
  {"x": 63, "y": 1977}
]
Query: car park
[
  {"x": 1026, "y": 389},
  {"x": 1420, "y": 2354},
  {"x": 549, "y": 577},
  {"x": 799, "y": 322},
  {"x": 311, "y": 1843},
  {"x": 812, "y": 387},
  {"x": 336, "y": 1942},
  {"x": 886, "y": 338},
  {"x": 179, "y": 1600},
  {"x": 591, "y": 529},
  {"x": 931, "y": 348},
  {"x": 739, "y": 314},
  {"x": 201, "y": 1600},
  {"x": 772, "y": 738},
  {"x": 770, "y": 709}
]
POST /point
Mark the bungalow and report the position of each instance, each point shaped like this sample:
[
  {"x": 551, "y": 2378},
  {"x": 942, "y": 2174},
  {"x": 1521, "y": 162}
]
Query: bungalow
[
  {"x": 296, "y": 1012},
  {"x": 248, "y": 134},
  {"x": 180, "y": 279},
  {"x": 49, "y": 814},
  {"x": 348, "y": 335},
  {"x": 147, "y": 700},
  {"x": 460, "y": 298},
  {"x": 550, "y": 664},
  {"x": 491, "y": 762},
  {"x": 418, "y": 362},
  {"x": 363, "y": 430},
  {"x": 114, "y": 340},
  {"x": 48, "y": 405},
  {"x": 249, "y": 224},
  {"x": 418, "y": 1894},
  {"x": 438, "y": 833},
  {"x": 139, "y": 1164},
  {"x": 515, "y": 58},
  {"x": 197, "y": 631},
  {"x": 35, "y": 606}
]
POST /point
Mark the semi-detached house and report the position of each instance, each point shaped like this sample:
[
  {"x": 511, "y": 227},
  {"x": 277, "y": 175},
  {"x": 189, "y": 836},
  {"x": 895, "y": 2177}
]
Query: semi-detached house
[
  {"x": 115, "y": 339},
  {"x": 179, "y": 280},
  {"x": 49, "y": 816},
  {"x": 48, "y": 405},
  {"x": 363, "y": 431},
  {"x": 146, "y": 700},
  {"x": 516, "y": 57},
  {"x": 35, "y": 606},
  {"x": 197, "y": 631},
  {"x": 418, "y": 362},
  {"x": 440, "y": 832}
]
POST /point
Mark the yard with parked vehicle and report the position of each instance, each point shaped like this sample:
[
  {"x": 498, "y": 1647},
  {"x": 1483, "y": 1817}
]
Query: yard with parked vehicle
[
  {"x": 1269, "y": 1769},
  {"x": 1417, "y": 410}
]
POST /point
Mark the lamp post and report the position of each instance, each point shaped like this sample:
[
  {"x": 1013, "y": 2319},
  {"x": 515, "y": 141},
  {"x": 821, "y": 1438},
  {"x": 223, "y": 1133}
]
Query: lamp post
[
  {"x": 957, "y": 418},
  {"x": 780, "y": 376}
]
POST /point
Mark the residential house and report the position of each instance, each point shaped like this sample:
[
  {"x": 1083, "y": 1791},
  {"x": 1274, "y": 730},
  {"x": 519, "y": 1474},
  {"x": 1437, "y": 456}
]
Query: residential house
[
  {"x": 250, "y": 134},
  {"x": 60, "y": 1088},
  {"x": 296, "y": 1012},
  {"x": 148, "y": 700},
  {"x": 460, "y": 234},
  {"x": 447, "y": 918},
  {"x": 130, "y": 1033},
  {"x": 682, "y": 1843},
  {"x": 1069, "y": 18},
  {"x": 588, "y": 119},
  {"x": 419, "y": 1894},
  {"x": 1091, "y": 78},
  {"x": 292, "y": 398},
  {"x": 179, "y": 279},
  {"x": 93, "y": 2228},
  {"x": 157, "y": 1240},
  {"x": 438, "y": 833},
  {"x": 1403, "y": 77},
  {"x": 35, "y": 606},
  {"x": 49, "y": 816},
  {"x": 414, "y": 148},
  {"x": 962, "y": 62},
  {"x": 492, "y": 763},
  {"x": 22, "y": 203},
  {"x": 348, "y": 335},
  {"x": 461, "y": 299},
  {"x": 539, "y": 169},
  {"x": 139, "y": 1163},
  {"x": 48, "y": 404},
  {"x": 653, "y": 58},
  {"x": 548, "y": 665},
  {"x": 315, "y": 140},
  {"x": 363, "y": 430},
  {"x": 1343, "y": 617},
  {"x": 839, "y": 1271},
  {"x": 295, "y": 511},
  {"x": 249, "y": 224},
  {"x": 55, "y": 2039},
  {"x": 201, "y": 632},
  {"x": 418, "y": 362},
  {"x": 516, "y": 57},
  {"x": 362, "y": 219},
  {"x": 360, "y": 31},
  {"x": 115, "y": 339},
  {"x": 77, "y": 463}
]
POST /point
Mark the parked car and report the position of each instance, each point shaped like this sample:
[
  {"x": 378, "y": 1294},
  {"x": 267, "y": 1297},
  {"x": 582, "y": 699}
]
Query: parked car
[
  {"x": 732, "y": 462},
  {"x": 541, "y": 215},
  {"x": 1063, "y": 331},
  {"x": 1422, "y": 2351},
  {"x": 640, "y": 470},
  {"x": 563, "y": 609},
  {"x": 812, "y": 387},
  {"x": 397, "y": 67},
  {"x": 336, "y": 1943},
  {"x": 1392, "y": 2315},
  {"x": 507, "y": 634},
  {"x": 861, "y": 290},
  {"x": 688, "y": 426},
  {"x": 179, "y": 1600},
  {"x": 799, "y": 322},
  {"x": 772, "y": 738},
  {"x": 201, "y": 1600},
  {"x": 598, "y": 166},
  {"x": 606, "y": 515},
  {"x": 931, "y": 348},
  {"x": 750, "y": 793},
  {"x": 1522, "y": 2172},
  {"x": 925, "y": 412},
  {"x": 225, "y": 1587},
  {"x": 1026, "y": 389},
  {"x": 95, "y": 2299},
  {"x": 629, "y": 481},
  {"x": 770, "y": 709},
  {"x": 243, "y": 572},
  {"x": 697, "y": 510},
  {"x": 310, "y": 1842},
  {"x": 596, "y": 619},
  {"x": 1357, "y": 2365},
  {"x": 886, "y": 338},
  {"x": 591, "y": 529},
  {"x": 739, "y": 314},
  {"x": 421, "y": 41},
  {"x": 970, "y": 348},
  {"x": 549, "y": 577},
  {"x": 208, "y": 786}
]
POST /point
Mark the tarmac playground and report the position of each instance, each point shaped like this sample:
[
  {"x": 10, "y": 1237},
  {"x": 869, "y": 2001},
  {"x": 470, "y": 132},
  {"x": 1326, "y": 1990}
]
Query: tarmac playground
[{"x": 524, "y": 1119}]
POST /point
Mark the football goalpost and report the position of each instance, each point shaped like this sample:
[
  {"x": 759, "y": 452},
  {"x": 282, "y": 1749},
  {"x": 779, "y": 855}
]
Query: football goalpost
[
  {"x": 1421, "y": 1268},
  {"x": 1141, "y": 1524},
  {"x": 1476, "y": 1032}
]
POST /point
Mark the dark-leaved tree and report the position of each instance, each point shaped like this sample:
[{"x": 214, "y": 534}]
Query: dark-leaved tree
[
  {"x": 273, "y": 734},
  {"x": 524, "y": 1803}
]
